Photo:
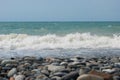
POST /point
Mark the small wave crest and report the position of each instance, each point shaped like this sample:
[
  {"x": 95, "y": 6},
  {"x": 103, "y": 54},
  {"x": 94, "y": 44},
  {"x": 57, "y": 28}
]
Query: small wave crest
[{"x": 52, "y": 41}]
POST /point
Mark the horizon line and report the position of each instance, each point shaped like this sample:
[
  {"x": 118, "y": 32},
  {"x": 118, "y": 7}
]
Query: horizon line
[{"x": 60, "y": 21}]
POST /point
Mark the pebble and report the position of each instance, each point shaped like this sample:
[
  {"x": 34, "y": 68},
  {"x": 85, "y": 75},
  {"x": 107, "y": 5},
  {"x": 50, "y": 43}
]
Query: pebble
[
  {"x": 63, "y": 63},
  {"x": 89, "y": 77},
  {"x": 29, "y": 58},
  {"x": 109, "y": 70},
  {"x": 72, "y": 75},
  {"x": 116, "y": 77},
  {"x": 19, "y": 77},
  {"x": 42, "y": 77},
  {"x": 60, "y": 74},
  {"x": 12, "y": 72},
  {"x": 117, "y": 65},
  {"x": 84, "y": 70},
  {"x": 46, "y": 72},
  {"x": 4, "y": 62},
  {"x": 54, "y": 68}
]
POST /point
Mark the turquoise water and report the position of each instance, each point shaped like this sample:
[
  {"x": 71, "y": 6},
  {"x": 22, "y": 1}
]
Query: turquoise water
[
  {"x": 59, "y": 39},
  {"x": 60, "y": 28}
]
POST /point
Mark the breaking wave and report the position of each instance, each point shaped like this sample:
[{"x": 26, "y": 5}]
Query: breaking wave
[{"x": 52, "y": 41}]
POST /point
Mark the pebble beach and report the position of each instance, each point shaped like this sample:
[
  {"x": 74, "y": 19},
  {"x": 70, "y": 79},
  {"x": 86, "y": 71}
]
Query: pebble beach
[
  {"x": 59, "y": 51},
  {"x": 55, "y": 68}
]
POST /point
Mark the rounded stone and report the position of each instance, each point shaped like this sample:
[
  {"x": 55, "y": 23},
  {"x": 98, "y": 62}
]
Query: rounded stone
[
  {"x": 55, "y": 78},
  {"x": 109, "y": 70},
  {"x": 54, "y": 68},
  {"x": 89, "y": 77},
  {"x": 116, "y": 77},
  {"x": 41, "y": 77},
  {"x": 19, "y": 77},
  {"x": 28, "y": 58},
  {"x": 60, "y": 74},
  {"x": 4, "y": 62},
  {"x": 63, "y": 63},
  {"x": 71, "y": 76},
  {"x": 12, "y": 72},
  {"x": 84, "y": 71},
  {"x": 46, "y": 72}
]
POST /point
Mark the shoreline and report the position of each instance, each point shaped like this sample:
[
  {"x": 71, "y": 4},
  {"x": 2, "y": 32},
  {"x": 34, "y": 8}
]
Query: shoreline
[{"x": 61, "y": 53}]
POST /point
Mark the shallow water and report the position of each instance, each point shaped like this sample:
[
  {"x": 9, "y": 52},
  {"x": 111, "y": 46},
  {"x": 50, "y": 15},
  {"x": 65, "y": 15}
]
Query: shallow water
[{"x": 60, "y": 39}]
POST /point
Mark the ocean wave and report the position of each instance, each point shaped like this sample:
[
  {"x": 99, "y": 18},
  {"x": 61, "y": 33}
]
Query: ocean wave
[{"x": 52, "y": 41}]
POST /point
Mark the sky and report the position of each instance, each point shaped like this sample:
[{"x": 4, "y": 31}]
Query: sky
[{"x": 59, "y": 10}]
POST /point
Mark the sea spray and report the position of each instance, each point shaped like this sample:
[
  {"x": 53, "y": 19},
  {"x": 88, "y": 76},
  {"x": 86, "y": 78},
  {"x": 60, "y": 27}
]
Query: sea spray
[{"x": 52, "y": 41}]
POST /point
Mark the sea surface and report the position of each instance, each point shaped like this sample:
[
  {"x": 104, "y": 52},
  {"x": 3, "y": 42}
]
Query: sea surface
[{"x": 59, "y": 39}]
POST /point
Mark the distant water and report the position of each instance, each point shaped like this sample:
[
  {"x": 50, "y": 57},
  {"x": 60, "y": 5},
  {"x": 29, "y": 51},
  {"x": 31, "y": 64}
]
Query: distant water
[{"x": 59, "y": 38}]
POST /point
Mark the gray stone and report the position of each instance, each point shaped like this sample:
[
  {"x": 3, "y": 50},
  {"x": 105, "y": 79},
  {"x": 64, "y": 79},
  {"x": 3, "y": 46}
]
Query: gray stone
[
  {"x": 12, "y": 72},
  {"x": 4, "y": 62},
  {"x": 55, "y": 63},
  {"x": 91, "y": 65},
  {"x": 84, "y": 71},
  {"x": 117, "y": 65},
  {"x": 40, "y": 59},
  {"x": 115, "y": 59},
  {"x": 116, "y": 77},
  {"x": 54, "y": 68},
  {"x": 21, "y": 67},
  {"x": 11, "y": 65},
  {"x": 109, "y": 70},
  {"x": 36, "y": 71},
  {"x": 60, "y": 74},
  {"x": 6, "y": 68},
  {"x": 27, "y": 64},
  {"x": 46, "y": 72},
  {"x": 63, "y": 63},
  {"x": 65, "y": 70},
  {"x": 74, "y": 59},
  {"x": 19, "y": 77},
  {"x": 55, "y": 78},
  {"x": 3, "y": 79},
  {"x": 28, "y": 58},
  {"x": 29, "y": 78},
  {"x": 42, "y": 77},
  {"x": 71, "y": 76}
]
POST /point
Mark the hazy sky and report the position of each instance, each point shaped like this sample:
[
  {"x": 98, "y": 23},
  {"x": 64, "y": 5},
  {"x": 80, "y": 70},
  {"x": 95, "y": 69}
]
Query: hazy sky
[{"x": 59, "y": 10}]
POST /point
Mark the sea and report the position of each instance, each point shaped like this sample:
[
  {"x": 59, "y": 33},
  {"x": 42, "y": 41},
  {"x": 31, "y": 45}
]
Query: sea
[{"x": 59, "y": 39}]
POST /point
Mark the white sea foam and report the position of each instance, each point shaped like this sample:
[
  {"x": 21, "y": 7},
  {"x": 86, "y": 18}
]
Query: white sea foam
[{"x": 52, "y": 41}]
